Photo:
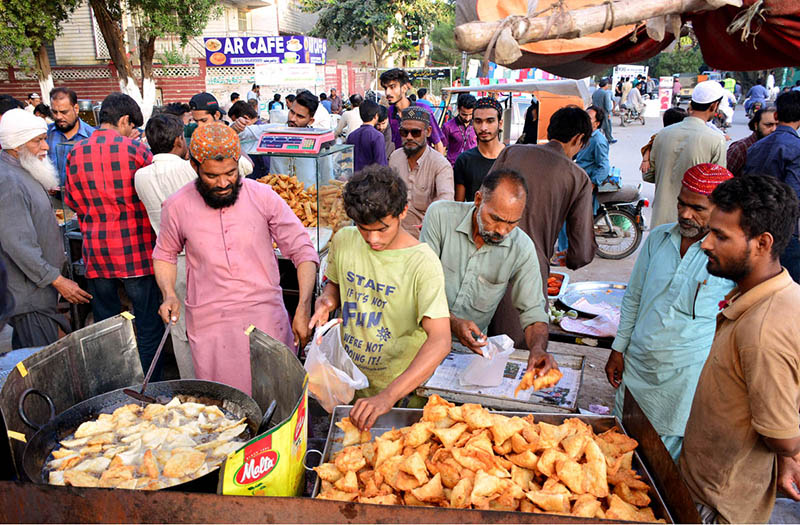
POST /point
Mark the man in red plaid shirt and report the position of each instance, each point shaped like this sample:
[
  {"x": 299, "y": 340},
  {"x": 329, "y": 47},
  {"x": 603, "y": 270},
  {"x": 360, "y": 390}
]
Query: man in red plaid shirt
[
  {"x": 118, "y": 240},
  {"x": 762, "y": 124}
]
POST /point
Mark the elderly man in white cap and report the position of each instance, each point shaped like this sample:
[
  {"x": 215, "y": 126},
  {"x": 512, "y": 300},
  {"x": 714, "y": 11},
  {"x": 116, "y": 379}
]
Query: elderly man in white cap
[
  {"x": 31, "y": 245},
  {"x": 680, "y": 146}
]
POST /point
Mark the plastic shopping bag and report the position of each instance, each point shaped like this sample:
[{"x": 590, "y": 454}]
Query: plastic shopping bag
[
  {"x": 488, "y": 370},
  {"x": 333, "y": 378}
]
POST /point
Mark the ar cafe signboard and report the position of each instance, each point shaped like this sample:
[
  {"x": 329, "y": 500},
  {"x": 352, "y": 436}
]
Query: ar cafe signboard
[{"x": 283, "y": 49}]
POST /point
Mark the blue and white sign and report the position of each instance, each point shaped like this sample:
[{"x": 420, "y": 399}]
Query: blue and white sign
[{"x": 249, "y": 50}]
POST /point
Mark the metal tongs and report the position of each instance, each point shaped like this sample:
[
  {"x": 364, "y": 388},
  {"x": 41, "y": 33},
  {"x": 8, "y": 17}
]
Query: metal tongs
[{"x": 140, "y": 395}]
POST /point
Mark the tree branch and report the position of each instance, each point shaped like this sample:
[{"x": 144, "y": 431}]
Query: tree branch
[
  {"x": 474, "y": 37},
  {"x": 112, "y": 34}
]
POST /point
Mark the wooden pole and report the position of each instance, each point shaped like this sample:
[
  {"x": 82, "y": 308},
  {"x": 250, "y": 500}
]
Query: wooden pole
[{"x": 474, "y": 37}]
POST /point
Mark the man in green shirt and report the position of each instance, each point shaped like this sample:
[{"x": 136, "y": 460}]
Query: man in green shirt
[
  {"x": 395, "y": 321},
  {"x": 482, "y": 252}
]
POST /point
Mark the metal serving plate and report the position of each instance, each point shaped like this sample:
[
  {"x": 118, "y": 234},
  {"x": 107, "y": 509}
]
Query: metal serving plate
[
  {"x": 403, "y": 417},
  {"x": 595, "y": 292}
]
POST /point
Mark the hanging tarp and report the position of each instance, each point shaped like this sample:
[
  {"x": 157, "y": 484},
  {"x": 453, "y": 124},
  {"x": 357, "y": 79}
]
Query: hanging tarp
[
  {"x": 771, "y": 27},
  {"x": 775, "y": 44}
]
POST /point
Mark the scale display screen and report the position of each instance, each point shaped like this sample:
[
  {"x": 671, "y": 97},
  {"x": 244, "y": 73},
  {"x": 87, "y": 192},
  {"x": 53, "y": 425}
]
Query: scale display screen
[{"x": 294, "y": 142}]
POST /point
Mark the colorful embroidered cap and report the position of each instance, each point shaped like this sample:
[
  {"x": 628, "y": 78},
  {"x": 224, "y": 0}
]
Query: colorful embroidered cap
[
  {"x": 215, "y": 141},
  {"x": 416, "y": 113},
  {"x": 704, "y": 178},
  {"x": 489, "y": 102}
]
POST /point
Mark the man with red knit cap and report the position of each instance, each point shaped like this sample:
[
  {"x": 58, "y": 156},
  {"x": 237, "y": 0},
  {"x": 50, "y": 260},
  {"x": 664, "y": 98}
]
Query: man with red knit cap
[{"x": 669, "y": 313}]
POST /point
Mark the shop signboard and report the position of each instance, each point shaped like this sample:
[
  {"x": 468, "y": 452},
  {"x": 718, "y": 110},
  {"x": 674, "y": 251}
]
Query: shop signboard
[
  {"x": 289, "y": 76},
  {"x": 278, "y": 49},
  {"x": 627, "y": 70},
  {"x": 429, "y": 74}
]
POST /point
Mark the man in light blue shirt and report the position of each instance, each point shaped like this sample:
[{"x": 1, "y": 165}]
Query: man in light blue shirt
[
  {"x": 669, "y": 313},
  {"x": 66, "y": 130},
  {"x": 323, "y": 100},
  {"x": 594, "y": 157},
  {"x": 253, "y": 94},
  {"x": 483, "y": 252},
  {"x": 757, "y": 93}
]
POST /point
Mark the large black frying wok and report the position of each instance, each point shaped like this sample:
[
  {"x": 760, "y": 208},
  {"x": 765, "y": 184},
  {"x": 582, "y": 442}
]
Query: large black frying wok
[{"x": 48, "y": 436}]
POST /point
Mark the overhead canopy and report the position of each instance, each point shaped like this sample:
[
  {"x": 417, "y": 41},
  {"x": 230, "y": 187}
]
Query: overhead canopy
[
  {"x": 774, "y": 40},
  {"x": 777, "y": 44},
  {"x": 567, "y": 88}
]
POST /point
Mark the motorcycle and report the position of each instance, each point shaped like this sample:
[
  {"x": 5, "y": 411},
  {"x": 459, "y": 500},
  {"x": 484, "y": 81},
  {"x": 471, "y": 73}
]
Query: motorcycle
[
  {"x": 752, "y": 108},
  {"x": 619, "y": 224},
  {"x": 720, "y": 120},
  {"x": 628, "y": 114}
]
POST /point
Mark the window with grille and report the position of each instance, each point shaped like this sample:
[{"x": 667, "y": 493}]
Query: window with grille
[
  {"x": 100, "y": 48},
  {"x": 242, "y": 16}
]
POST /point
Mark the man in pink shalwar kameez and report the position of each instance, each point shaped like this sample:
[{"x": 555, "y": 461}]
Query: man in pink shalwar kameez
[{"x": 227, "y": 226}]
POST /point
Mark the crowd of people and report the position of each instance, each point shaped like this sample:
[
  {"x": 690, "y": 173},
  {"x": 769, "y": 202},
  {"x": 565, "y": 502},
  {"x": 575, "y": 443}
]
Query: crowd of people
[{"x": 453, "y": 237}]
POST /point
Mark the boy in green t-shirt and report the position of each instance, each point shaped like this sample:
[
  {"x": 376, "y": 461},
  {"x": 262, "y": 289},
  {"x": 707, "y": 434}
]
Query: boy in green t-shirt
[{"x": 395, "y": 320}]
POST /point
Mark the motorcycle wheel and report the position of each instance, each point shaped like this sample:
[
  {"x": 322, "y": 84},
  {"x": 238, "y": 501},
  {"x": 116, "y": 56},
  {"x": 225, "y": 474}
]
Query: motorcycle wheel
[{"x": 617, "y": 233}]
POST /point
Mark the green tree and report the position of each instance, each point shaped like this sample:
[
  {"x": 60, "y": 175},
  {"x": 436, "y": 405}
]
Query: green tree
[
  {"x": 388, "y": 26},
  {"x": 30, "y": 25},
  {"x": 688, "y": 60},
  {"x": 445, "y": 51},
  {"x": 160, "y": 18},
  {"x": 152, "y": 19}
]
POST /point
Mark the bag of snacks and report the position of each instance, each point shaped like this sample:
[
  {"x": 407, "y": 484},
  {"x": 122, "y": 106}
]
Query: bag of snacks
[{"x": 333, "y": 377}]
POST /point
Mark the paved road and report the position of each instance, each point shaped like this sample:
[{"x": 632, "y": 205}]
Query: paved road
[{"x": 626, "y": 156}]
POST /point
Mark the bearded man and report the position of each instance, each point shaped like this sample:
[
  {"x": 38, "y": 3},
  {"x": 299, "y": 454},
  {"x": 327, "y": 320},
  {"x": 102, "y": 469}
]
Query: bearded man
[
  {"x": 66, "y": 130},
  {"x": 762, "y": 124},
  {"x": 31, "y": 246},
  {"x": 227, "y": 225},
  {"x": 669, "y": 313},
  {"x": 426, "y": 172},
  {"x": 483, "y": 253}
]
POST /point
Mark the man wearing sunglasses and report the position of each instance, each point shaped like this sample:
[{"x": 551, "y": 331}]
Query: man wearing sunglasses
[
  {"x": 426, "y": 172},
  {"x": 396, "y": 84}
]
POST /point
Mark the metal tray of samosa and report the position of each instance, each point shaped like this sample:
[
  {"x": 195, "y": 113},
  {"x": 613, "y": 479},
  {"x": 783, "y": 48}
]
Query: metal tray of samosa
[{"x": 403, "y": 417}]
